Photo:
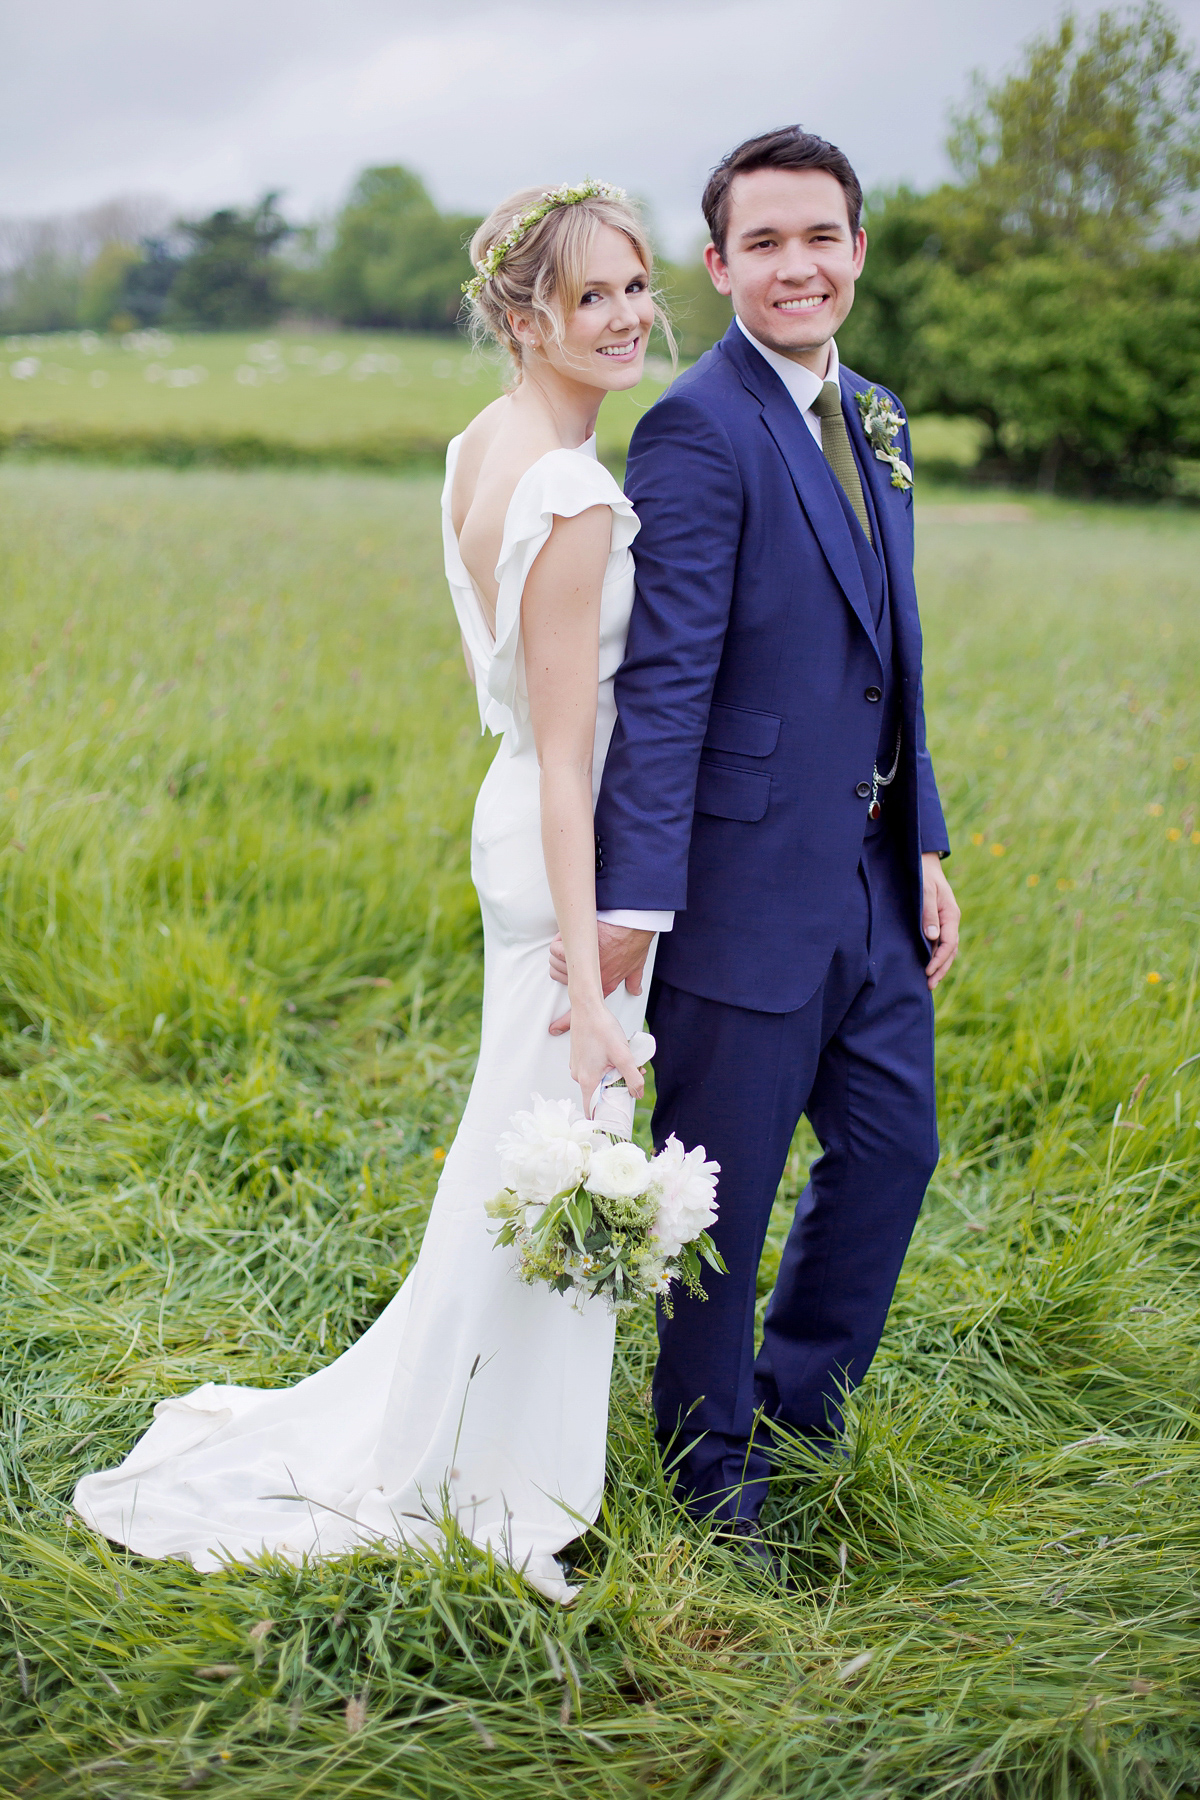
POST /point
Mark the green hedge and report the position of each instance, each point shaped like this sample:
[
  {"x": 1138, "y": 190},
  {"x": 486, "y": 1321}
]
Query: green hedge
[{"x": 221, "y": 450}]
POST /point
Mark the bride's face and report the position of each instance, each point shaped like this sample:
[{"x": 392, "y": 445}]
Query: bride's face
[{"x": 604, "y": 340}]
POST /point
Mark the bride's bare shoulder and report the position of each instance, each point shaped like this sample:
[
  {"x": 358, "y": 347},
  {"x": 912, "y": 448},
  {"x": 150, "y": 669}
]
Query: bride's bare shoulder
[
  {"x": 473, "y": 447},
  {"x": 495, "y": 450}
]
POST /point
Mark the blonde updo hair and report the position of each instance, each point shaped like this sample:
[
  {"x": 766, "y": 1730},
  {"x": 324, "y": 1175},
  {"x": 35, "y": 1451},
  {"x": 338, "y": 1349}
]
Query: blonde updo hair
[{"x": 543, "y": 277}]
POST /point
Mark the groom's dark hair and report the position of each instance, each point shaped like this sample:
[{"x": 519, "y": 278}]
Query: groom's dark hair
[{"x": 790, "y": 148}]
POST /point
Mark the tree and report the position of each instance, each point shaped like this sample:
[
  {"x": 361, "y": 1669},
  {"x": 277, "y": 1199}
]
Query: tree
[
  {"x": 882, "y": 336},
  {"x": 41, "y": 293},
  {"x": 1030, "y": 295},
  {"x": 1087, "y": 374},
  {"x": 229, "y": 279},
  {"x": 102, "y": 296},
  {"x": 1094, "y": 140},
  {"x": 46, "y": 264},
  {"x": 396, "y": 260},
  {"x": 698, "y": 314},
  {"x": 912, "y": 240},
  {"x": 146, "y": 288}
]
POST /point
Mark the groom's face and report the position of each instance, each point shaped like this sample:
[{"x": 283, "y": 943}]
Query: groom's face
[{"x": 790, "y": 262}]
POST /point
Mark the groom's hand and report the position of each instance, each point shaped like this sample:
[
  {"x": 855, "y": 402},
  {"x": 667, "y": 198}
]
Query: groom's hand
[
  {"x": 939, "y": 918},
  {"x": 622, "y": 959}
]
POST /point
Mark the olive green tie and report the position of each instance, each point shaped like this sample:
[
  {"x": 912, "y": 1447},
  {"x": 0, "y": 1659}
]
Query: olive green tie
[{"x": 835, "y": 442}]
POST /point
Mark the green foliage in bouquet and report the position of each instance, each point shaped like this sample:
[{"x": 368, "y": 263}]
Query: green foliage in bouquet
[
  {"x": 576, "y": 1245},
  {"x": 593, "y": 1215}
]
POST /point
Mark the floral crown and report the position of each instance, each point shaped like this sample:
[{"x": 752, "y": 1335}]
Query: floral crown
[{"x": 524, "y": 222}]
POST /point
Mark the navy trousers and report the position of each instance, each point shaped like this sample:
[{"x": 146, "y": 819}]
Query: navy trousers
[{"x": 858, "y": 1060}]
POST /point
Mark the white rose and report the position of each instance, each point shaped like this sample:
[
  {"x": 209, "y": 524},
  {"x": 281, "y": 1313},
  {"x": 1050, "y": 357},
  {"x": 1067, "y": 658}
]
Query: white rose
[
  {"x": 687, "y": 1187},
  {"x": 547, "y": 1152},
  {"x": 619, "y": 1172}
]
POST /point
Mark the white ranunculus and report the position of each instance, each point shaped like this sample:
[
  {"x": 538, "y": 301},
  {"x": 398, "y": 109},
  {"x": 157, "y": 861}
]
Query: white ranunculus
[
  {"x": 687, "y": 1188},
  {"x": 619, "y": 1171},
  {"x": 547, "y": 1152}
]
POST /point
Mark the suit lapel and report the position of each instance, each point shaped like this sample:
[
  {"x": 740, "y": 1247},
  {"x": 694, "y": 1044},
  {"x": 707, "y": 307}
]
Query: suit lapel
[{"x": 810, "y": 473}]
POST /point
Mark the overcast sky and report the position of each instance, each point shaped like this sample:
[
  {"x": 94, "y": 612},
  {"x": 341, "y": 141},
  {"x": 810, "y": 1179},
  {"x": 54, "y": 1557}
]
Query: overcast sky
[{"x": 211, "y": 101}]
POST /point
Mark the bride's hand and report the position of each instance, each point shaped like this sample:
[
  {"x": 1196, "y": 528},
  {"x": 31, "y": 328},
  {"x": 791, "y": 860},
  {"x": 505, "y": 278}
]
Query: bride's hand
[{"x": 597, "y": 1045}]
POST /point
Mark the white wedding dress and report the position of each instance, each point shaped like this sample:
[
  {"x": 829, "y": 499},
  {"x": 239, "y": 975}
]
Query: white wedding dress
[{"x": 472, "y": 1391}]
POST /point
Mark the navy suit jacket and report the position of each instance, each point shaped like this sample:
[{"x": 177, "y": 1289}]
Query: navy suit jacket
[{"x": 744, "y": 730}]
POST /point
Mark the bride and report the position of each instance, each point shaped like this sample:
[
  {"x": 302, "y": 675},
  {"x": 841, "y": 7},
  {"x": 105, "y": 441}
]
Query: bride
[{"x": 474, "y": 1394}]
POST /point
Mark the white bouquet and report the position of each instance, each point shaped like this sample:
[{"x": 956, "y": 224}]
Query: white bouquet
[{"x": 589, "y": 1211}]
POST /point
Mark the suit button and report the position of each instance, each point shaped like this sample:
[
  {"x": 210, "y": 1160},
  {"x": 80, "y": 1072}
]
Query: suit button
[
  {"x": 873, "y": 693},
  {"x": 863, "y": 790}
]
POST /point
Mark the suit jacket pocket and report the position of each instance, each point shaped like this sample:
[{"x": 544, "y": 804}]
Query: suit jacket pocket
[
  {"x": 741, "y": 731},
  {"x": 732, "y": 793}
]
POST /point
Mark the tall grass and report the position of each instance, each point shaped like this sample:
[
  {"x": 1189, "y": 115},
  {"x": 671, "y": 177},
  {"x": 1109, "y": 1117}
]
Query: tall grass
[{"x": 240, "y": 963}]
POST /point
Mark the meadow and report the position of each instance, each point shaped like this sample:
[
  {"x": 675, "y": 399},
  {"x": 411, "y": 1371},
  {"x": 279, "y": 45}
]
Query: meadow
[
  {"x": 241, "y": 972},
  {"x": 338, "y": 397},
  {"x": 235, "y": 399}
]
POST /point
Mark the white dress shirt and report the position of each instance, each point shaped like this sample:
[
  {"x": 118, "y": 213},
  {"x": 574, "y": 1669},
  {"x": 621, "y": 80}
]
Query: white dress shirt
[
  {"x": 800, "y": 382},
  {"x": 804, "y": 388}
]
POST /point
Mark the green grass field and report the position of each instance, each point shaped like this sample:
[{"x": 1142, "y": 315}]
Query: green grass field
[
  {"x": 382, "y": 399},
  {"x": 241, "y": 964},
  {"x": 334, "y": 396}
]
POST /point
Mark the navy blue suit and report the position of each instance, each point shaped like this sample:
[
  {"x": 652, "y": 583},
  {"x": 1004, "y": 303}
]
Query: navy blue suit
[{"x": 773, "y": 654}]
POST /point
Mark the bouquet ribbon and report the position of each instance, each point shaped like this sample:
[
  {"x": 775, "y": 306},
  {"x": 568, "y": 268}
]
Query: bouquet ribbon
[{"x": 612, "y": 1104}]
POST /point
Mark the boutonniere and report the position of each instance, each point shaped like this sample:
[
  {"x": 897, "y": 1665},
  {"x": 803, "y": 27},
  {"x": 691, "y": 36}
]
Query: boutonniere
[{"x": 882, "y": 424}]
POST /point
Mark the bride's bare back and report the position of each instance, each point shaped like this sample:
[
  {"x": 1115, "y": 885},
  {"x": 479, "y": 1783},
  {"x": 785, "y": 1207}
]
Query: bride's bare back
[{"x": 497, "y": 448}]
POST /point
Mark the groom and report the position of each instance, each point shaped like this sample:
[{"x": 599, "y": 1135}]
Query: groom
[{"x": 769, "y": 804}]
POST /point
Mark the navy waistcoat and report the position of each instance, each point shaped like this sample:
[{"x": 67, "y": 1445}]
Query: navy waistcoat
[{"x": 875, "y": 581}]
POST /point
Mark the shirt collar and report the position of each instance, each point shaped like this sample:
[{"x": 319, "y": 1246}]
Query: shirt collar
[{"x": 799, "y": 381}]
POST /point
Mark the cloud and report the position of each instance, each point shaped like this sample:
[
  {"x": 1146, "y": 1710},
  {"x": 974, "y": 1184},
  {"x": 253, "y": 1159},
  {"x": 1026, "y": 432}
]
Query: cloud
[{"x": 217, "y": 103}]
